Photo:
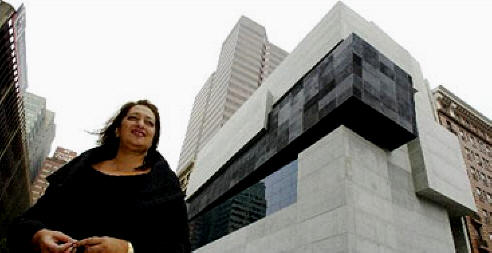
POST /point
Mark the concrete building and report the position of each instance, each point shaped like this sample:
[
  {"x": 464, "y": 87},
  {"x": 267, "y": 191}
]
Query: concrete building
[
  {"x": 347, "y": 119},
  {"x": 14, "y": 174},
  {"x": 40, "y": 129},
  {"x": 246, "y": 59},
  {"x": 474, "y": 132},
  {"x": 50, "y": 165}
]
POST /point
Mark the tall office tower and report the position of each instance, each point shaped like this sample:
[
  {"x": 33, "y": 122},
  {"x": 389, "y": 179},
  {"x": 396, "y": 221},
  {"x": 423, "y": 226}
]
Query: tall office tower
[
  {"x": 246, "y": 59},
  {"x": 40, "y": 128},
  {"x": 343, "y": 140},
  {"x": 20, "y": 46},
  {"x": 474, "y": 132},
  {"x": 50, "y": 165},
  {"x": 14, "y": 174},
  {"x": 193, "y": 133}
]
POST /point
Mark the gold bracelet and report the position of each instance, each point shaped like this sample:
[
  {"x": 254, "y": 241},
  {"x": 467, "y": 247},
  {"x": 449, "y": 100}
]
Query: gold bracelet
[{"x": 130, "y": 247}]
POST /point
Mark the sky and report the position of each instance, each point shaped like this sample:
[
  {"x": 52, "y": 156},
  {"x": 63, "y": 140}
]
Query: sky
[{"x": 89, "y": 57}]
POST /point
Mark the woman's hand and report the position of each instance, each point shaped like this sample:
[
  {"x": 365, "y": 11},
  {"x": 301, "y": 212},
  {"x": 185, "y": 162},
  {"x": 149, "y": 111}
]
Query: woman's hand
[
  {"x": 49, "y": 241},
  {"x": 103, "y": 244}
]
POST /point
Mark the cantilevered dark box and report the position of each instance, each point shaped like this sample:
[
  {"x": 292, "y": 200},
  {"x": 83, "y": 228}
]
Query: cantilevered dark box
[
  {"x": 358, "y": 87},
  {"x": 353, "y": 85}
]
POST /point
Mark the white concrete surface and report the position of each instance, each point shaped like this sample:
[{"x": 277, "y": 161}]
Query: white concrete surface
[
  {"x": 354, "y": 200},
  {"x": 248, "y": 121}
]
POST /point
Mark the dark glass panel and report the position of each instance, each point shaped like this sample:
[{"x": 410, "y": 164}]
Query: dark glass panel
[{"x": 274, "y": 192}]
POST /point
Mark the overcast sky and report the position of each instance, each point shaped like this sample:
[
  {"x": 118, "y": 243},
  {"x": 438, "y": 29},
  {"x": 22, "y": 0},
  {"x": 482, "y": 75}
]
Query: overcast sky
[{"x": 89, "y": 57}]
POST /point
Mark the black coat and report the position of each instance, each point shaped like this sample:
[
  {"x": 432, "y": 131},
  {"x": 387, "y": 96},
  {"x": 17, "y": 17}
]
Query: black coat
[{"x": 148, "y": 210}]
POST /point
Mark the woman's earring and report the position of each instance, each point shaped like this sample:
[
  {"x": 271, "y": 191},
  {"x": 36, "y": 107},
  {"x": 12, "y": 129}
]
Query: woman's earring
[{"x": 116, "y": 133}]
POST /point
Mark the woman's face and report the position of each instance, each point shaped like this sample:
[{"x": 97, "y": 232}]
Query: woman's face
[{"x": 137, "y": 128}]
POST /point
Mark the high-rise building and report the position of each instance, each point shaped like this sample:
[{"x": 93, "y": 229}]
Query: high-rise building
[
  {"x": 20, "y": 46},
  {"x": 40, "y": 129},
  {"x": 50, "y": 165},
  {"x": 194, "y": 131},
  {"x": 343, "y": 140},
  {"x": 474, "y": 132},
  {"x": 246, "y": 59},
  {"x": 14, "y": 174}
]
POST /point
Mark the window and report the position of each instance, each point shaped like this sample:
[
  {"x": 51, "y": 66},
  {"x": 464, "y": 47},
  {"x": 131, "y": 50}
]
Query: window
[
  {"x": 281, "y": 190},
  {"x": 268, "y": 195},
  {"x": 450, "y": 127},
  {"x": 462, "y": 134},
  {"x": 468, "y": 155},
  {"x": 482, "y": 176}
]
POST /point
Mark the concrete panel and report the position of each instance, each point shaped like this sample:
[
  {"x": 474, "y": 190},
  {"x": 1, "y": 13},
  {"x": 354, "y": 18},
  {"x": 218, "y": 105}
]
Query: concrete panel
[
  {"x": 245, "y": 124},
  {"x": 281, "y": 241},
  {"x": 358, "y": 202},
  {"x": 439, "y": 170},
  {"x": 317, "y": 156}
]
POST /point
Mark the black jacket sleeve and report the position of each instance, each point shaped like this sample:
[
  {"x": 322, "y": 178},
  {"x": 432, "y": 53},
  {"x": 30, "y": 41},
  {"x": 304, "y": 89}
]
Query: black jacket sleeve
[
  {"x": 23, "y": 228},
  {"x": 39, "y": 216}
]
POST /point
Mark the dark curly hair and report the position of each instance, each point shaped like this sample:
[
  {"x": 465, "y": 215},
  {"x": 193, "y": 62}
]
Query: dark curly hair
[{"x": 110, "y": 143}]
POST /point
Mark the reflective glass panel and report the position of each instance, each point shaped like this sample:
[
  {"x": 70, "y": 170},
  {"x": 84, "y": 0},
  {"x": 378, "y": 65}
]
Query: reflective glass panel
[{"x": 274, "y": 192}]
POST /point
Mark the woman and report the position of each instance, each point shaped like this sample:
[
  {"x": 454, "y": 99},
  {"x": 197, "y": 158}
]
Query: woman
[{"x": 116, "y": 198}]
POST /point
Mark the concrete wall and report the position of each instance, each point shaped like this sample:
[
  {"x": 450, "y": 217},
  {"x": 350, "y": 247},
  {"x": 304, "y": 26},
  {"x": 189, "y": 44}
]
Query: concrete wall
[
  {"x": 242, "y": 127},
  {"x": 352, "y": 197}
]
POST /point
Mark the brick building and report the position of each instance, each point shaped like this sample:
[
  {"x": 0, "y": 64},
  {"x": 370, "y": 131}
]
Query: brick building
[
  {"x": 474, "y": 132},
  {"x": 50, "y": 165}
]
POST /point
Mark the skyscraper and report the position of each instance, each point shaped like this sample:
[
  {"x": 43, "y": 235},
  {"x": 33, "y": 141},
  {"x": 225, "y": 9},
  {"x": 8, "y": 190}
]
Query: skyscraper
[
  {"x": 474, "y": 132},
  {"x": 246, "y": 59},
  {"x": 194, "y": 131},
  {"x": 20, "y": 48},
  {"x": 344, "y": 138},
  {"x": 50, "y": 165},
  {"x": 40, "y": 129},
  {"x": 14, "y": 174}
]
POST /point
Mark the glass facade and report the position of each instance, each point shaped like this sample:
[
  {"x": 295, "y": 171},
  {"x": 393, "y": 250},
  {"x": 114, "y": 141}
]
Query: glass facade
[
  {"x": 281, "y": 188},
  {"x": 274, "y": 192}
]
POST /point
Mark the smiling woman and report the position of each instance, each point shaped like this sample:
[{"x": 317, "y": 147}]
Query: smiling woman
[
  {"x": 139, "y": 128},
  {"x": 117, "y": 197}
]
